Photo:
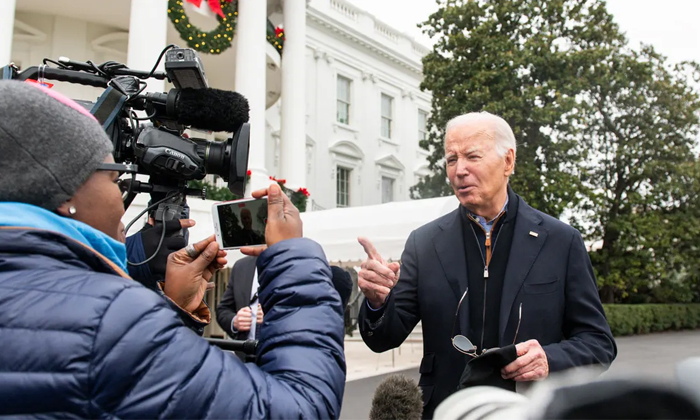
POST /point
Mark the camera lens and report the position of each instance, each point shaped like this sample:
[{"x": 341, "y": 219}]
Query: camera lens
[{"x": 229, "y": 159}]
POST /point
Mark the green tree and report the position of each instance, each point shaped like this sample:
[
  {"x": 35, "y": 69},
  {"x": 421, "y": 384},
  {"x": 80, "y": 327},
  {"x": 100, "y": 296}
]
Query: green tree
[
  {"x": 522, "y": 60},
  {"x": 641, "y": 124}
]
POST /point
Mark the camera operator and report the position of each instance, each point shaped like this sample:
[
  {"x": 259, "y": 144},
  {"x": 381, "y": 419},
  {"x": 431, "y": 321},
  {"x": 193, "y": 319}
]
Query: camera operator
[{"x": 82, "y": 339}]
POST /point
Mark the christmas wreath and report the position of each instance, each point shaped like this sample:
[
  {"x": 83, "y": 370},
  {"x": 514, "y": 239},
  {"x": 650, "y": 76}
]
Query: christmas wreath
[{"x": 212, "y": 42}]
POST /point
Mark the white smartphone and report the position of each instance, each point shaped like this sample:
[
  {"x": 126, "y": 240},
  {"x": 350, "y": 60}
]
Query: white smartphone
[{"x": 240, "y": 223}]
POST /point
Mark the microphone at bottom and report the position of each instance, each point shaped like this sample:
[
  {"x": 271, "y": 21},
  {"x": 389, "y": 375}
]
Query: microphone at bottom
[
  {"x": 244, "y": 346},
  {"x": 397, "y": 397}
]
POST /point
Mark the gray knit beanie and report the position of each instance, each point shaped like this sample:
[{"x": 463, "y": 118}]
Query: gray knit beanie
[{"x": 49, "y": 145}]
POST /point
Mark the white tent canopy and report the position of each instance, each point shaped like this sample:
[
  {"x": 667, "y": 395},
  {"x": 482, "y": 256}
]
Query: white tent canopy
[{"x": 386, "y": 225}]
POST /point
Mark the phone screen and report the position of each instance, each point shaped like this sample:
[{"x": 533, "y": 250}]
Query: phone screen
[{"x": 243, "y": 223}]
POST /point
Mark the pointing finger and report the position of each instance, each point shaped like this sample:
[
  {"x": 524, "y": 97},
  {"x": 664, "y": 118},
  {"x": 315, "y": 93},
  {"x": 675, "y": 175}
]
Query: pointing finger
[{"x": 370, "y": 250}]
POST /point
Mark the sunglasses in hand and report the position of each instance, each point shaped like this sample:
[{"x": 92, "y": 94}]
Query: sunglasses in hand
[{"x": 464, "y": 345}]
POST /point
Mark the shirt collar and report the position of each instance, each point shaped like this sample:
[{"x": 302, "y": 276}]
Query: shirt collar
[{"x": 483, "y": 221}]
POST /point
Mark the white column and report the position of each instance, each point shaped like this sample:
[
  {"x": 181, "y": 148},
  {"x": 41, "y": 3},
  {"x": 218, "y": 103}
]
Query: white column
[
  {"x": 251, "y": 68},
  {"x": 148, "y": 28},
  {"x": 70, "y": 39},
  {"x": 293, "y": 144},
  {"x": 7, "y": 25}
]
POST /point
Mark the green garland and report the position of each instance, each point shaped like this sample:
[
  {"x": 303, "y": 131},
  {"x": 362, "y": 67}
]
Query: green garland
[{"x": 212, "y": 42}]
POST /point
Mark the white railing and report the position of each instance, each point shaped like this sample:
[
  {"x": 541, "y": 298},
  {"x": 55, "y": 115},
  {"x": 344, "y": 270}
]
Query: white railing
[
  {"x": 419, "y": 49},
  {"x": 344, "y": 9},
  {"x": 316, "y": 207},
  {"x": 386, "y": 32}
]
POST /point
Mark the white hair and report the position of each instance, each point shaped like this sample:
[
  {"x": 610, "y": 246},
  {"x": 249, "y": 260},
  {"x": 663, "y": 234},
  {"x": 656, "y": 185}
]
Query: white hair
[{"x": 504, "y": 137}]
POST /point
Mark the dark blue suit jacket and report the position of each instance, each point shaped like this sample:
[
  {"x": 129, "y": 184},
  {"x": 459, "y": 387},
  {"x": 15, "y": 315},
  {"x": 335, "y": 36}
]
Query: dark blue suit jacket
[{"x": 548, "y": 271}]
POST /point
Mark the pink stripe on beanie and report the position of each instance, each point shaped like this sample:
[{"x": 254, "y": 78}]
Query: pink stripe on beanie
[
  {"x": 48, "y": 149},
  {"x": 64, "y": 100}
]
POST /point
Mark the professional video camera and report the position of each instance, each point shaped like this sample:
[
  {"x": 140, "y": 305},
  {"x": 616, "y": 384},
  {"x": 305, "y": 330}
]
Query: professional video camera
[{"x": 158, "y": 148}]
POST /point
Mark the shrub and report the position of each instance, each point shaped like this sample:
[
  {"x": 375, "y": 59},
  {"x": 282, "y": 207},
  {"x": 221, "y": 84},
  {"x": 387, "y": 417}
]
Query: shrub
[{"x": 648, "y": 318}]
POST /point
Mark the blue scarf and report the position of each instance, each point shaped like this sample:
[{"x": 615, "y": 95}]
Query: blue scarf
[{"x": 27, "y": 215}]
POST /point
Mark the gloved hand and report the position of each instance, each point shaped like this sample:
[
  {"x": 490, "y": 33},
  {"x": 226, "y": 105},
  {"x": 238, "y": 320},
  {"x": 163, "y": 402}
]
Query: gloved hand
[
  {"x": 143, "y": 245},
  {"x": 150, "y": 236}
]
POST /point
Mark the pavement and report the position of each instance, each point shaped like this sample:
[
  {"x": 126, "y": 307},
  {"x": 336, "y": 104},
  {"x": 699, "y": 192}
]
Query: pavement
[
  {"x": 363, "y": 362},
  {"x": 651, "y": 357}
]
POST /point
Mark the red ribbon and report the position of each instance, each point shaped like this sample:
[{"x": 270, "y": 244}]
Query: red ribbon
[{"x": 214, "y": 5}]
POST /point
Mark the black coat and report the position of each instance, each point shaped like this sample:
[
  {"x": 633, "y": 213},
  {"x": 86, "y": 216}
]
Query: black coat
[
  {"x": 548, "y": 271},
  {"x": 237, "y": 295}
]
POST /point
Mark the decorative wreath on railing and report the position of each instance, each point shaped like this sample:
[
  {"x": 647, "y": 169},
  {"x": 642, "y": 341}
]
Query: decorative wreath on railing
[{"x": 212, "y": 42}]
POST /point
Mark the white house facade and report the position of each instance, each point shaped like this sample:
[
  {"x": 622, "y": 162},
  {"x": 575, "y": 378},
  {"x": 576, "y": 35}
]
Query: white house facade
[{"x": 365, "y": 110}]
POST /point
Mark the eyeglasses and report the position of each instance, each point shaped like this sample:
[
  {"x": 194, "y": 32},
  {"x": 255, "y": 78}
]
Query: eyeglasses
[
  {"x": 121, "y": 168},
  {"x": 464, "y": 345}
]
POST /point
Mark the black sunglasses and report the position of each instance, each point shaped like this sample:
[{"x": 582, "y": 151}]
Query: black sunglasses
[{"x": 464, "y": 345}]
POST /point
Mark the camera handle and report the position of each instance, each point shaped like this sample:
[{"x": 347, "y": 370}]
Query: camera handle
[{"x": 171, "y": 209}]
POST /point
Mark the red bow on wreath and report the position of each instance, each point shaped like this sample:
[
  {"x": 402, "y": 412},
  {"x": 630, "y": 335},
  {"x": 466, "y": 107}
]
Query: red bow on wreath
[{"x": 215, "y": 5}]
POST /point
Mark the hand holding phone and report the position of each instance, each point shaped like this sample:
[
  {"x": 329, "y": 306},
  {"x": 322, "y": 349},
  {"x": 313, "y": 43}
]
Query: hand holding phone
[
  {"x": 284, "y": 221},
  {"x": 240, "y": 223}
]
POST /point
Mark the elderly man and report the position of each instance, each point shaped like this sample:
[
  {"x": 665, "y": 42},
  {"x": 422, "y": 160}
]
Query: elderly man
[
  {"x": 248, "y": 236},
  {"x": 518, "y": 273}
]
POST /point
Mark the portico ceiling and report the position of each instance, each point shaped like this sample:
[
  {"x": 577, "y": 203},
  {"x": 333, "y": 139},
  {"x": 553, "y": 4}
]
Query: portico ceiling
[{"x": 107, "y": 12}]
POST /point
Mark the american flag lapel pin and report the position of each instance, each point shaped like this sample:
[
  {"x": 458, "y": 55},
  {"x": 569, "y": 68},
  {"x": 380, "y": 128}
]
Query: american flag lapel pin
[{"x": 535, "y": 234}]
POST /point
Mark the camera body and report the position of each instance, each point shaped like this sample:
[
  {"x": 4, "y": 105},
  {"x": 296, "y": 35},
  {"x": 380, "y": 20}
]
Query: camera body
[{"x": 155, "y": 145}]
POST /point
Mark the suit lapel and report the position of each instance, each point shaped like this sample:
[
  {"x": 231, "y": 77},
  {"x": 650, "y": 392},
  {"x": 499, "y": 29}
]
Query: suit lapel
[
  {"x": 449, "y": 245},
  {"x": 524, "y": 250},
  {"x": 244, "y": 281}
]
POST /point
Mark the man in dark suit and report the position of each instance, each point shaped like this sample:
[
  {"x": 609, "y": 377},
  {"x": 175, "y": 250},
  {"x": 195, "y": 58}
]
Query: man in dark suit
[
  {"x": 521, "y": 272},
  {"x": 235, "y": 310},
  {"x": 235, "y": 313}
]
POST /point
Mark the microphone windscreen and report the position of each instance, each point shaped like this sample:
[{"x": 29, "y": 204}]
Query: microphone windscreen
[
  {"x": 397, "y": 397},
  {"x": 212, "y": 109},
  {"x": 342, "y": 283}
]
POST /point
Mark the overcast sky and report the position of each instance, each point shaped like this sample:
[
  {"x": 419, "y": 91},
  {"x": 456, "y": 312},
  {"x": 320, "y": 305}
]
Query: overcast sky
[{"x": 670, "y": 25}]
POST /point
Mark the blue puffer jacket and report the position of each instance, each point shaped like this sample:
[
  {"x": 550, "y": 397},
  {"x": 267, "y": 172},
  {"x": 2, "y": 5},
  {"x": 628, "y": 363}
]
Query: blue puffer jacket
[{"x": 79, "y": 340}]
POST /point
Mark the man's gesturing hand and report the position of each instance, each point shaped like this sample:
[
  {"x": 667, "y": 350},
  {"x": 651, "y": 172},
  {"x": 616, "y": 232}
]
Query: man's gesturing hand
[
  {"x": 377, "y": 277},
  {"x": 530, "y": 365},
  {"x": 283, "y": 220}
]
